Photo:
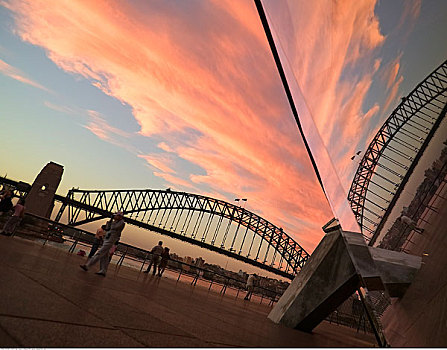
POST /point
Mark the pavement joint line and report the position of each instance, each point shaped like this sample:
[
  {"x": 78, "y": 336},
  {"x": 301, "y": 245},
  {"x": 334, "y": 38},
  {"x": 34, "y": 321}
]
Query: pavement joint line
[
  {"x": 12, "y": 337},
  {"x": 177, "y": 335},
  {"x": 158, "y": 332},
  {"x": 57, "y": 321},
  {"x": 65, "y": 298},
  {"x": 115, "y": 274},
  {"x": 207, "y": 313},
  {"x": 95, "y": 315}
]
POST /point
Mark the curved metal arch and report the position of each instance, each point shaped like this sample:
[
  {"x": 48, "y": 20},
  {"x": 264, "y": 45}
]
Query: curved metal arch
[
  {"x": 169, "y": 208},
  {"x": 395, "y": 150}
]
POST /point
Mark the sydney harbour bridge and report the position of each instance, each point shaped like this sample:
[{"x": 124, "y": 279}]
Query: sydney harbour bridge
[
  {"x": 238, "y": 233},
  {"x": 203, "y": 221}
]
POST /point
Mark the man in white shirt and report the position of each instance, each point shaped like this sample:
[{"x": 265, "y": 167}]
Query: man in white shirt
[{"x": 114, "y": 228}]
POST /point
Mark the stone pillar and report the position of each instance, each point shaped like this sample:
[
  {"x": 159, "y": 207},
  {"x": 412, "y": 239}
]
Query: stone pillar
[{"x": 40, "y": 199}]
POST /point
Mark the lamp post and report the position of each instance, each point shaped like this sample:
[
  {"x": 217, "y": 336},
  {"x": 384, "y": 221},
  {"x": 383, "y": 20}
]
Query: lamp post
[{"x": 241, "y": 199}]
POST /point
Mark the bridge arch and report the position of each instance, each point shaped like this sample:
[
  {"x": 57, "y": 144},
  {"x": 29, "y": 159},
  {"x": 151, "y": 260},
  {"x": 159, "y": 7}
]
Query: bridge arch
[
  {"x": 395, "y": 151},
  {"x": 203, "y": 221}
]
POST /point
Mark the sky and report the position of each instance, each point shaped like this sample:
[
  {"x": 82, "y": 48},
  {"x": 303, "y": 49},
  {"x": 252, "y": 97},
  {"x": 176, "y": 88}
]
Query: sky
[{"x": 186, "y": 95}]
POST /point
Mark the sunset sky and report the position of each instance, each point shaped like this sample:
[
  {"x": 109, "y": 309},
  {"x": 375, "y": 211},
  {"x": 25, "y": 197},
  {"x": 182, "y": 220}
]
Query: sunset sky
[{"x": 185, "y": 94}]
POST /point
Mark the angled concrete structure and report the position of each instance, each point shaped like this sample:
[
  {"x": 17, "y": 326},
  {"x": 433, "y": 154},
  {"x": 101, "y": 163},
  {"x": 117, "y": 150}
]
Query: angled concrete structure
[{"x": 340, "y": 265}]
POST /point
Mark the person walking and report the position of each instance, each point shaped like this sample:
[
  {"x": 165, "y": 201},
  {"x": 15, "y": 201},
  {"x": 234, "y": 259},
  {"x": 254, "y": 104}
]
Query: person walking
[
  {"x": 99, "y": 239},
  {"x": 156, "y": 257},
  {"x": 15, "y": 219},
  {"x": 250, "y": 286},
  {"x": 410, "y": 223},
  {"x": 112, "y": 237},
  {"x": 164, "y": 261},
  {"x": 113, "y": 250}
]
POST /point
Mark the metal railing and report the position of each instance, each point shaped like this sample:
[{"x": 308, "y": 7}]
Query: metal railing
[
  {"x": 48, "y": 230},
  {"x": 399, "y": 235}
]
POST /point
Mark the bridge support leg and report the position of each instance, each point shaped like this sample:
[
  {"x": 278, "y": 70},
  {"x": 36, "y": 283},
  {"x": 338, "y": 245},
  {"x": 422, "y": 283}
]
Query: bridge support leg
[
  {"x": 40, "y": 199},
  {"x": 341, "y": 264}
]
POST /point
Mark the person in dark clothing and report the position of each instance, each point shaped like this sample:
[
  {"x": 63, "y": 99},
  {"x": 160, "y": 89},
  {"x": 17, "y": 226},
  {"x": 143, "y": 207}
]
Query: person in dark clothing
[
  {"x": 164, "y": 261},
  {"x": 99, "y": 239},
  {"x": 14, "y": 221},
  {"x": 156, "y": 257},
  {"x": 6, "y": 203}
]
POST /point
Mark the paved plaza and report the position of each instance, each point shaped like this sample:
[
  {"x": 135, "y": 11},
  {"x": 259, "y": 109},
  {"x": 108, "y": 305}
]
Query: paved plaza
[
  {"x": 419, "y": 319},
  {"x": 48, "y": 301}
]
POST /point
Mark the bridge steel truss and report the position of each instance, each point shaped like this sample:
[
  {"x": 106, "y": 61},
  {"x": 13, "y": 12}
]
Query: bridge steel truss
[
  {"x": 203, "y": 221},
  {"x": 395, "y": 151}
]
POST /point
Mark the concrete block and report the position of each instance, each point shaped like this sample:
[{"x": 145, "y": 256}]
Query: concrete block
[
  {"x": 326, "y": 280},
  {"x": 397, "y": 269},
  {"x": 340, "y": 265}
]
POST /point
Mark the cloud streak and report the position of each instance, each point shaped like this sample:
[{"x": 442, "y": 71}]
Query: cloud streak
[
  {"x": 18, "y": 75},
  {"x": 199, "y": 76}
]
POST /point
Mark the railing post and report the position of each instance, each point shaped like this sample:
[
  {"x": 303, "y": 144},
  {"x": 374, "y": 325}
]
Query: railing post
[
  {"x": 123, "y": 255},
  {"x": 73, "y": 246},
  {"x": 46, "y": 239},
  {"x": 211, "y": 281},
  {"x": 144, "y": 261},
  {"x": 224, "y": 287}
]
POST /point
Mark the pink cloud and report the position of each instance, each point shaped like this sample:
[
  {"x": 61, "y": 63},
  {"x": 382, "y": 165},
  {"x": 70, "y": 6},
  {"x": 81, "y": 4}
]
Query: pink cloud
[
  {"x": 372, "y": 111},
  {"x": 59, "y": 108},
  {"x": 159, "y": 161},
  {"x": 390, "y": 72},
  {"x": 392, "y": 93},
  {"x": 410, "y": 13},
  {"x": 174, "y": 180},
  {"x": 165, "y": 147},
  {"x": 16, "y": 74},
  {"x": 220, "y": 106},
  {"x": 99, "y": 126}
]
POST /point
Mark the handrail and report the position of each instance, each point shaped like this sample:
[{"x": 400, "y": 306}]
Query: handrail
[{"x": 272, "y": 295}]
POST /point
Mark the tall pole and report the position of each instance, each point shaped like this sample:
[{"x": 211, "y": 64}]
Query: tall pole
[{"x": 280, "y": 68}]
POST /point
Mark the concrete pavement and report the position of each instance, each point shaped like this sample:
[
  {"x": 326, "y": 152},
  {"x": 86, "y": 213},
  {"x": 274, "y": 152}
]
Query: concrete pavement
[{"x": 48, "y": 301}]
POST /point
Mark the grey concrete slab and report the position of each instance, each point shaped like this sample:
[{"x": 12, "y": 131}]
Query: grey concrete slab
[
  {"x": 154, "y": 340},
  {"x": 419, "y": 318},
  {"x": 7, "y": 341},
  {"x": 193, "y": 322},
  {"x": 40, "y": 333},
  {"x": 325, "y": 281},
  {"x": 128, "y": 305},
  {"x": 22, "y": 296}
]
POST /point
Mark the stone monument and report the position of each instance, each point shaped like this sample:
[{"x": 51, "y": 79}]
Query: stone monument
[{"x": 40, "y": 199}]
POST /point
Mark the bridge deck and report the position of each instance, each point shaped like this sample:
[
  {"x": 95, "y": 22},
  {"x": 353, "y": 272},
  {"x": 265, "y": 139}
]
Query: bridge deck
[{"x": 48, "y": 301}]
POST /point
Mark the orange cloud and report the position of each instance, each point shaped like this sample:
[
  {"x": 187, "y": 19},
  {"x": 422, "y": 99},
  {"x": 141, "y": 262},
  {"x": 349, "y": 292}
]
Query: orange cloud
[
  {"x": 59, "y": 108},
  {"x": 390, "y": 75},
  {"x": 16, "y": 74},
  {"x": 411, "y": 12},
  {"x": 330, "y": 52},
  {"x": 159, "y": 161},
  {"x": 392, "y": 93},
  {"x": 203, "y": 81},
  {"x": 174, "y": 180}
]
